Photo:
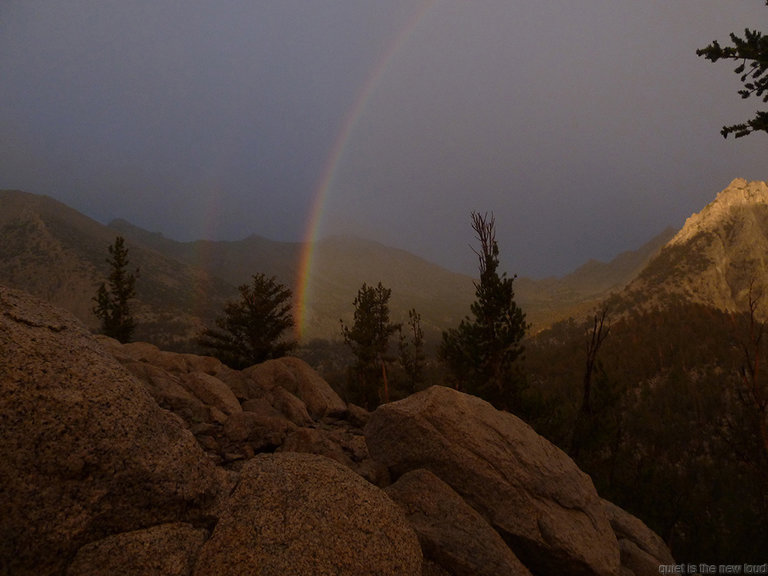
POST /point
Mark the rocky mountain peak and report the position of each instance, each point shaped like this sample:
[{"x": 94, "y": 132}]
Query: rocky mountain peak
[
  {"x": 739, "y": 193},
  {"x": 717, "y": 256}
]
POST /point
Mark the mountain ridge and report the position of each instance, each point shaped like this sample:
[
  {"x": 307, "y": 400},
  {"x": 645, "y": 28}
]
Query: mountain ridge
[
  {"x": 578, "y": 293},
  {"x": 53, "y": 251},
  {"x": 179, "y": 274}
]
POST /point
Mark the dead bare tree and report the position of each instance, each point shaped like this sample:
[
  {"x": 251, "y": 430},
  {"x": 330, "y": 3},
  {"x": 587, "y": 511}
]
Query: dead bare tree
[
  {"x": 596, "y": 333},
  {"x": 753, "y": 393},
  {"x": 595, "y": 338}
]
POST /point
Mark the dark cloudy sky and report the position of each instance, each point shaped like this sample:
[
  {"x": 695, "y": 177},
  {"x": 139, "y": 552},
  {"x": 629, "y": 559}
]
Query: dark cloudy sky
[{"x": 586, "y": 126}]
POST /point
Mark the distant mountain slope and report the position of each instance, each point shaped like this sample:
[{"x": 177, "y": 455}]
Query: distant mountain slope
[
  {"x": 55, "y": 252},
  {"x": 576, "y": 294},
  {"x": 342, "y": 264},
  {"x": 50, "y": 250},
  {"x": 715, "y": 257},
  {"x": 340, "y": 267},
  {"x": 232, "y": 261}
]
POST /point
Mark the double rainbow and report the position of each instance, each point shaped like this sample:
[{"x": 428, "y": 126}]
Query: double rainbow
[{"x": 303, "y": 287}]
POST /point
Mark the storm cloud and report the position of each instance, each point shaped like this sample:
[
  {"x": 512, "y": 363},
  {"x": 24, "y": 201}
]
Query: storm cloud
[{"x": 585, "y": 127}]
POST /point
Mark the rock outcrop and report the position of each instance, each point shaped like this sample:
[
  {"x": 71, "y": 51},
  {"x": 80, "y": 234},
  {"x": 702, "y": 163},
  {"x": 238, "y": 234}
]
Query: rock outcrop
[
  {"x": 535, "y": 497},
  {"x": 237, "y": 414},
  {"x": 125, "y": 459},
  {"x": 85, "y": 450}
]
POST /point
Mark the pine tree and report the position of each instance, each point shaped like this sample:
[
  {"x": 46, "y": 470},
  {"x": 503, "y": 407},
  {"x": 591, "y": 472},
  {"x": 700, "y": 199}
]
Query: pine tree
[
  {"x": 481, "y": 353},
  {"x": 112, "y": 304},
  {"x": 751, "y": 52},
  {"x": 251, "y": 329},
  {"x": 368, "y": 338}
]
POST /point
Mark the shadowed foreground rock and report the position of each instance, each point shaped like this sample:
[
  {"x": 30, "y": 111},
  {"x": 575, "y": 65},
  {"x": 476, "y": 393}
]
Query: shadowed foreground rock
[
  {"x": 642, "y": 550},
  {"x": 452, "y": 534},
  {"x": 164, "y": 550},
  {"x": 537, "y": 499},
  {"x": 85, "y": 450},
  {"x": 302, "y": 514},
  {"x": 298, "y": 378},
  {"x": 125, "y": 459}
]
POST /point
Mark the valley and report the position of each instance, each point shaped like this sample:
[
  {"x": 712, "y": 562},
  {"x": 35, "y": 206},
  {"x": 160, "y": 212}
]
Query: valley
[{"x": 56, "y": 253}]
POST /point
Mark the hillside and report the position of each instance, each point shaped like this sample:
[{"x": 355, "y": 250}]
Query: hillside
[
  {"x": 342, "y": 263},
  {"x": 50, "y": 250},
  {"x": 578, "y": 293},
  {"x": 340, "y": 266},
  {"x": 672, "y": 422},
  {"x": 57, "y": 253},
  {"x": 232, "y": 261}
]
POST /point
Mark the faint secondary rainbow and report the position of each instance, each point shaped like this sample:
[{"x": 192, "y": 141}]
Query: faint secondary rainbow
[{"x": 353, "y": 115}]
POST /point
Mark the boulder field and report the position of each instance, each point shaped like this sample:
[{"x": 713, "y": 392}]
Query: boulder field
[{"x": 126, "y": 459}]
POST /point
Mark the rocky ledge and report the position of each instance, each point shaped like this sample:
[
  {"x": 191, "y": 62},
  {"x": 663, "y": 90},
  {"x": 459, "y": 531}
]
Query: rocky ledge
[{"x": 124, "y": 459}]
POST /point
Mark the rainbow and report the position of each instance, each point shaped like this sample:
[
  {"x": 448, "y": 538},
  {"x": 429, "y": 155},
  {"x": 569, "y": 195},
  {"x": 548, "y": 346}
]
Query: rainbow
[{"x": 325, "y": 183}]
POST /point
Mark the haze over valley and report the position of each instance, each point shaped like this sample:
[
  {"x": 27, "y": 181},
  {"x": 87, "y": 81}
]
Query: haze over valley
[{"x": 57, "y": 253}]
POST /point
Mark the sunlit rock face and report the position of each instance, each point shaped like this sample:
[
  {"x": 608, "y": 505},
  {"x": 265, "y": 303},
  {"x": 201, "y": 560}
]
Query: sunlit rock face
[
  {"x": 717, "y": 256},
  {"x": 739, "y": 194}
]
